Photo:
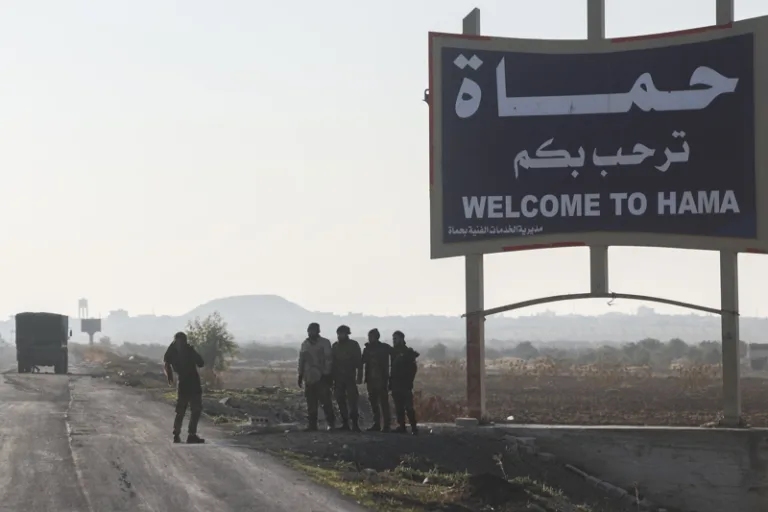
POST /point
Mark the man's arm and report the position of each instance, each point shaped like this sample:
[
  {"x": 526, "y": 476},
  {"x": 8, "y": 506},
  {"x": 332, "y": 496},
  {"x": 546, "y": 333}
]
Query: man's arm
[
  {"x": 167, "y": 359},
  {"x": 359, "y": 360},
  {"x": 414, "y": 365},
  {"x": 302, "y": 356},
  {"x": 365, "y": 357},
  {"x": 198, "y": 358},
  {"x": 334, "y": 354},
  {"x": 327, "y": 357}
]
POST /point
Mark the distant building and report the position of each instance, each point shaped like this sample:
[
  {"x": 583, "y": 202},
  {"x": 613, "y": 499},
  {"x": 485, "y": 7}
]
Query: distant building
[
  {"x": 758, "y": 356},
  {"x": 645, "y": 311}
]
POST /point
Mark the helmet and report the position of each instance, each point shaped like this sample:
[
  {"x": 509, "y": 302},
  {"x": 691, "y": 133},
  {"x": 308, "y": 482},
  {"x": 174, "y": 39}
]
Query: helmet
[{"x": 343, "y": 329}]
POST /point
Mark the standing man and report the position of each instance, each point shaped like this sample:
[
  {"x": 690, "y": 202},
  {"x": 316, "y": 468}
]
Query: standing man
[
  {"x": 347, "y": 374},
  {"x": 182, "y": 358},
  {"x": 404, "y": 369},
  {"x": 315, "y": 359},
  {"x": 376, "y": 360}
]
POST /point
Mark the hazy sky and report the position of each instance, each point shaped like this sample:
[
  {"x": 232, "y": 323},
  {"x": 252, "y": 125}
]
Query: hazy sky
[{"x": 159, "y": 154}]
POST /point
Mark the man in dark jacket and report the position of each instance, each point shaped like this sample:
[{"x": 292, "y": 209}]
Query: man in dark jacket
[
  {"x": 347, "y": 371},
  {"x": 404, "y": 369},
  {"x": 182, "y": 358},
  {"x": 376, "y": 361}
]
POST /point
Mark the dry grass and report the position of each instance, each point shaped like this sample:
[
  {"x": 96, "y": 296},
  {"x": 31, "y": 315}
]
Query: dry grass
[
  {"x": 538, "y": 391},
  {"x": 561, "y": 392},
  {"x": 417, "y": 484}
]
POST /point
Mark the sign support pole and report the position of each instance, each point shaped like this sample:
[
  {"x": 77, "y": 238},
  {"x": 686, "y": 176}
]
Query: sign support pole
[
  {"x": 729, "y": 297},
  {"x": 595, "y": 19},
  {"x": 724, "y": 12},
  {"x": 598, "y": 255},
  {"x": 475, "y": 298}
]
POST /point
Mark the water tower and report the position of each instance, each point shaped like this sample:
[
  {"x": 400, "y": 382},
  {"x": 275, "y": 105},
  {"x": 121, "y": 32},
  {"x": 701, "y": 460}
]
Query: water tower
[{"x": 88, "y": 325}]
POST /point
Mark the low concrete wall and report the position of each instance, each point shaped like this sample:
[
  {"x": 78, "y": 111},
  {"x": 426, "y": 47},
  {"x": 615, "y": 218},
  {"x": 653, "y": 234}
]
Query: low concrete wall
[{"x": 693, "y": 469}]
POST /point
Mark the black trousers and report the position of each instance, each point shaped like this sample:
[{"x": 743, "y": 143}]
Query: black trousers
[
  {"x": 379, "y": 398},
  {"x": 194, "y": 401},
  {"x": 404, "y": 405},
  {"x": 346, "y": 398},
  {"x": 317, "y": 394}
]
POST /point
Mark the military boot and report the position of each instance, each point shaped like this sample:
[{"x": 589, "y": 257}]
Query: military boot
[
  {"x": 312, "y": 427},
  {"x": 401, "y": 423},
  {"x": 195, "y": 439}
]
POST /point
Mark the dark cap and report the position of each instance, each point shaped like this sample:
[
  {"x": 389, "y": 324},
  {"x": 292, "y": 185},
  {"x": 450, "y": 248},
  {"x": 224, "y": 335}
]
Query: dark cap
[
  {"x": 180, "y": 336},
  {"x": 398, "y": 333},
  {"x": 375, "y": 332},
  {"x": 343, "y": 329},
  {"x": 314, "y": 325}
]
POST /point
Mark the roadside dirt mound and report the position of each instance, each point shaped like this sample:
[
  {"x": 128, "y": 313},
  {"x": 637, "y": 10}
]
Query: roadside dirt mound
[{"x": 133, "y": 370}]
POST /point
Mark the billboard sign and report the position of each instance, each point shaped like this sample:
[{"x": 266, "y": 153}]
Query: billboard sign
[
  {"x": 648, "y": 142},
  {"x": 90, "y": 325}
]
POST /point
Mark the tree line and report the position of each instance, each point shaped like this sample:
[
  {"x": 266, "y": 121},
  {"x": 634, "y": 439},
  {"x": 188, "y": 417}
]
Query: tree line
[
  {"x": 648, "y": 351},
  {"x": 217, "y": 345}
]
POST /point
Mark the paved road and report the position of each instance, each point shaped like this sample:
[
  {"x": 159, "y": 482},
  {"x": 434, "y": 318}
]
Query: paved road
[{"x": 76, "y": 444}]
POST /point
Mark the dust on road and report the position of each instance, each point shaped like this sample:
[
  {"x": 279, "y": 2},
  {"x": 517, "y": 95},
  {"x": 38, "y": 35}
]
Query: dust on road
[{"x": 73, "y": 443}]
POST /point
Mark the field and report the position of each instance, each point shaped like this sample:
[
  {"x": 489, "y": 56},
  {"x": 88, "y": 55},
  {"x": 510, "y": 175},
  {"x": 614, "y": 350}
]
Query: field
[
  {"x": 546, "y": 391},
  {"x": 457, "y": 471}
]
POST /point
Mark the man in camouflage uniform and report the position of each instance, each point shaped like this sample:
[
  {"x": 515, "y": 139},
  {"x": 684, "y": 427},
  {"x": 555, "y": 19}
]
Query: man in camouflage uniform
[
  {"x": 376, "y": 360},
  {"x": 315, "y": 360},
  {"x": 404, "y": 369},
  {"x": 347, "y": 374}
]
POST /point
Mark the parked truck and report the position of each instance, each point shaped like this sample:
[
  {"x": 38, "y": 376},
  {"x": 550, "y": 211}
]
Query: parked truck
[{"x": 42, "y": 340}]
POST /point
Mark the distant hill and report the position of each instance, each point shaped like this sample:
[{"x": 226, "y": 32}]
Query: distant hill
[
  {"x": 274, "y": 319},
  {"x": 263, "y": 306}
]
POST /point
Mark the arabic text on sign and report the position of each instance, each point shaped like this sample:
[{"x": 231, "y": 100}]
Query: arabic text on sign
[
  {"x": 562, "y": 159},
  {"x": 495, "y": 230},
  {"x": 643, "y": 94}
]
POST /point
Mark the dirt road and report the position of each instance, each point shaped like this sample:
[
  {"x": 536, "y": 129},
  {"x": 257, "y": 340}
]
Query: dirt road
[{"x": 76, "y": 444}]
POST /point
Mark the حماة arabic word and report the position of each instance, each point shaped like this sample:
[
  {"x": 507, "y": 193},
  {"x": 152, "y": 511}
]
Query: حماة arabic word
[{"x": 643, "y": 94}]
